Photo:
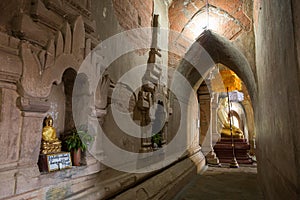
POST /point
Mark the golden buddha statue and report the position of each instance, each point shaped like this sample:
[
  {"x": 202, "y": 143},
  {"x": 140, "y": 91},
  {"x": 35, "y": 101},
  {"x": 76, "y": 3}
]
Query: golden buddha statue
[
  {"x": 50, "y": 143},
  {"x": 225, "y": 124}
]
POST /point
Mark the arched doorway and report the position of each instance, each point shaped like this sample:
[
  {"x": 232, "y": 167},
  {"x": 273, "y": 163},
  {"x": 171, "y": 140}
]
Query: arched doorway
[{"x": 196, "y": 66}]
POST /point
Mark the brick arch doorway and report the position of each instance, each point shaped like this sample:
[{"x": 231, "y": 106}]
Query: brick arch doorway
[{"x": 220, "y": 50}]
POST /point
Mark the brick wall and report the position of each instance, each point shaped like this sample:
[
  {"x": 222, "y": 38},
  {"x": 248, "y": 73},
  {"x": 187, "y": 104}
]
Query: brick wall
[{"x": 132, "y": 14}]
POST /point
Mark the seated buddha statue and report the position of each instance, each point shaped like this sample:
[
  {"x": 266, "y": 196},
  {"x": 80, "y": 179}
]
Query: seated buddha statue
[
  {"x": 50, "y": 143},
  {"x": 225, "y": 123}
]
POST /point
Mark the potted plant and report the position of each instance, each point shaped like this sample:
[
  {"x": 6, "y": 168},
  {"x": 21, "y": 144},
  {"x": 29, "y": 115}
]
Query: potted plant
[
  {"x": 156, "y": 140},
  {"x": 76, "y": 142}
]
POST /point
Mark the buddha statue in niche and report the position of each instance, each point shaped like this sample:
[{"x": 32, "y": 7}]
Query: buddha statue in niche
[
  {"x": 50, "y": 142},
  {"x": 225, "y": 123}
]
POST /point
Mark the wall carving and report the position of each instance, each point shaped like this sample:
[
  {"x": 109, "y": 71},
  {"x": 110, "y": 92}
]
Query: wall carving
[
  {"x": 42, "y": 40},
  {"x": 44, "y": 67}
]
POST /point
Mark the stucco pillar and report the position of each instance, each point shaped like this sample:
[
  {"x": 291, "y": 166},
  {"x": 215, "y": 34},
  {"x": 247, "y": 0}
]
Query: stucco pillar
[
  {"x": 214, "y": 119},
  {"x": 33, "y": 113},
  {"x": 207, "y": 126},
  {"x": 250, "y": 124}
]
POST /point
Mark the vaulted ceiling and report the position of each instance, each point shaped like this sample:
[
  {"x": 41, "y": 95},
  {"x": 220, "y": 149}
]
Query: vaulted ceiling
[{"x": 228, "y": 18}]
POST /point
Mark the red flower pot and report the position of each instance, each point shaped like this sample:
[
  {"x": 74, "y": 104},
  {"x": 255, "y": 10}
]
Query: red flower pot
[{"x": 76, "y": 157}]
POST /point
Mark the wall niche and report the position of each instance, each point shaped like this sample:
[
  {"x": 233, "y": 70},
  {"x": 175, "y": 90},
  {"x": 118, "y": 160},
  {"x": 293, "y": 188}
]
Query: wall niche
[
  {"x": 61, "y": 103},
  {"x": 61, "y": 100},
  {"x": 68, "y": 80}
]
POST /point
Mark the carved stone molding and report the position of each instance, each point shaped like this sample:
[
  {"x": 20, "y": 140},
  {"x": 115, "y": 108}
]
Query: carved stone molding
[
  {"x": 42, "y": 68},
  {"x": 39, "y": 13},
  {"x": 25, "y": 28},
  {"x": 11, "y": 67},
  {"x": 33, "y": 105},
  {"x": 69, "y": 8},
  {"x": 67, "y": 5},
  {"x": 8, "y": 77}
]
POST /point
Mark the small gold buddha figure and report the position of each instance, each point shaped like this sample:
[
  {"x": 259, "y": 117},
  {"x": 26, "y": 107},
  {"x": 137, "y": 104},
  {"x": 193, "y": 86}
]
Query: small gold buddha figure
[
  {"x": 225, "y": 123},
  {"x": 50, "y": 143}
]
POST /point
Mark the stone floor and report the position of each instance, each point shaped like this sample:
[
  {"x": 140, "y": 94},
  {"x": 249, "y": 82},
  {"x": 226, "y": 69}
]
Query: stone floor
[{"x": 223, "y": 183}]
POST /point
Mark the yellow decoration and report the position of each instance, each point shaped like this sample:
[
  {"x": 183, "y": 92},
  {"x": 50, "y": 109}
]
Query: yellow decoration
[
  {"x": 226, "y": 79},
  {"x": 50, "y": 143},
  {"x": 225, "y": 123}
]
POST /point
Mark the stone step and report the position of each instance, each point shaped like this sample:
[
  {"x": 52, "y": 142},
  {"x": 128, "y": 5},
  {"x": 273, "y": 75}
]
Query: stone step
[
  {"x": 240, "y": 161},
  {"x": 223, "y": 150},
  {"x": 229, "y": 146},
  {"x": 235, "y": 140}
]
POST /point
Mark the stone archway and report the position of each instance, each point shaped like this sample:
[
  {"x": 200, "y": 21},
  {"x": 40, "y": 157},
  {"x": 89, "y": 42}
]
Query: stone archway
[
  {"x": 203, "y": 55},
  {"x": 220, "y": 50}
]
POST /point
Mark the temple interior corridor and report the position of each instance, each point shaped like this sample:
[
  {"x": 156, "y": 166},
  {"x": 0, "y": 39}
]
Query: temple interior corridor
[
  {"x": 223, "y": 183},
  {"x": 149, "y": 99}
]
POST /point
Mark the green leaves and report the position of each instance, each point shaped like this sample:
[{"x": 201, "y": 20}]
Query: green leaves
[
  {"x": 157, "y": 138},
  {"x": 78, "y": 139}
]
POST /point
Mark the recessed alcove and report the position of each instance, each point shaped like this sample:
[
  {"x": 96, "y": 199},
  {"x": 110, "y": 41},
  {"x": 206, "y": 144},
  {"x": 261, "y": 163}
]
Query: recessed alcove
[
  {"x": 68, "y": 80},
  {"x": 61, "y": 101}
]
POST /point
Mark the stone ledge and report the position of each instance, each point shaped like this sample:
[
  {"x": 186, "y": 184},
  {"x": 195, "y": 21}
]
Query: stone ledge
[
  {"x": 166, "y": 184},
  {"x": 20, "y": 184},
  {"x": 29, "y": 186},
  {"x": 144, "y": 186},
  {"x": 91, "y": 182}
]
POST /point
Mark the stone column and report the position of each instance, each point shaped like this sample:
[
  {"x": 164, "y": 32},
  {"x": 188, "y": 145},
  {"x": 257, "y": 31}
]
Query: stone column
[
  {"x": 204, "y": 101},
  {"x": 33, "y": 112},
  {"x": 250, "y": 124},
  {"x": 10, "y": 121},
  {"x": 214, "y": 136},
  {"x": 206, "y": 105},
  {"x": 214, "y": 118}
]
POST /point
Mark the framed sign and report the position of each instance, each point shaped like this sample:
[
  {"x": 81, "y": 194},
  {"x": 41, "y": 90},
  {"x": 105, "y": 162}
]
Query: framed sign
[
  {"x": 59, "y": 161},
  {"x": 55, "y": 162}
]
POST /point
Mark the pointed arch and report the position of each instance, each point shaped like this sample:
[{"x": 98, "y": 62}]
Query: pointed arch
[{"x": 220, "y": 50}]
